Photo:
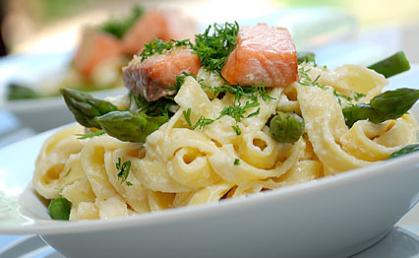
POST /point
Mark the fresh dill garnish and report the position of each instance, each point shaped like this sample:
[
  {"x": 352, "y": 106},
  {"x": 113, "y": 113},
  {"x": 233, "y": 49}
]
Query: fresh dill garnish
[
  {"x": 202, "y": 122},
  {"x": 237, "y": 129},
  {"x": 68, "y": 173},
  {"x": 90, "y": 134},
  {"x": 159, "y": 46},
  {"x": 215, "y": 44},
  {"x": 118, "y": 27},
  {"x": 236, "y": 162},
  {"x": 155, "y": 108},
  {"x": 237, "y": 110},
  {"x": 187, "y": 116},
  {"x": 254, "y": 113},
  {"x": 358, "y": 96},
  {"x": 123, "y": 171},
  {"x": 305, "y": 80},
  {"x": 180, "y": 79}
]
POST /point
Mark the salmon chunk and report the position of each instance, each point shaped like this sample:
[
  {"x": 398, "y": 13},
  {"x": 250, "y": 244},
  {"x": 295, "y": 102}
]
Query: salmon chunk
[
  {"x": 94, "y": 48},
  {"x": 264, "y": 56},
  {"x": 156, "y": 24},
  {"x": 155, "y": 77}
]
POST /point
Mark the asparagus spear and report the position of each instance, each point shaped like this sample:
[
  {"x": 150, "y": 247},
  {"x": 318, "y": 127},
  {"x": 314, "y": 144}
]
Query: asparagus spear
[
  {"x": 130, "y": 126},
  {"x": 286, "y": 127},
  {"x": 85, "y": 107},
  {"x": 388, "y": 105},
  {"x": 392, "y": 65},
  {"x": 306, "y": 57},
  {"x": 18, "y": 91},
  {"x": 405, "y": 150}
]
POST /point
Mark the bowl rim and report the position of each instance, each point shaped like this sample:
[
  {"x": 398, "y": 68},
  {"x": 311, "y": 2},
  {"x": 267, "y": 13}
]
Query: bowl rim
[{"x": 51, "y": 227}]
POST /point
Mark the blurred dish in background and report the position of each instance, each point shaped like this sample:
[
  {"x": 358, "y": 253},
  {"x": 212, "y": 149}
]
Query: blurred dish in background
[{"x": 104, "y": 49}]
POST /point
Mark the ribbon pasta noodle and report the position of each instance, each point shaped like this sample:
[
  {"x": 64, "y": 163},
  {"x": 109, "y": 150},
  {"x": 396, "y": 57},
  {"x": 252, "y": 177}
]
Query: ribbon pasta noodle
[{"x": 180, "y": 166}]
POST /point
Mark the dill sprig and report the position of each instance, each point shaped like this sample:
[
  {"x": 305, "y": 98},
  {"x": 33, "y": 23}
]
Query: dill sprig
[
  {"x": 237, "y": 110},
  {"x": 305, "y": 79},
  {"x": 200, "y": 123},
  {"x": 123, "y": 171},
  {"x": 159, "y": 46},
  {"x": 215, "y": 44}
]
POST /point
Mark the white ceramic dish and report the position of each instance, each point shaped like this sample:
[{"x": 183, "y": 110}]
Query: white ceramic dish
[
  {"x": 337, "y": 215},
  {"x": 39, "y": 114}
]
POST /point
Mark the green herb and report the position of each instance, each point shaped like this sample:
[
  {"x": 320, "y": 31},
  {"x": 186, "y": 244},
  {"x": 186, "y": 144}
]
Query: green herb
[
  {"x": 237, "y": 129},
  {"x": 86, "y": 108},
  {"x": 161, "y": 107},
  {"x": 119, "y": 27},
  {"x": 180, "y": 79},
  {"x": 254, "y": 113},
  {"x": 405, "y": 150},
  {"x": 236, "y": 162},
  {"x": 306, "y": 57},
  {"x": 202, "y": 122},
  {"x": 68, "y": 173},
  {"x": 286, "y": 127},
  {"x": 90, "y": 134},
  {"x": 215, "y": 44},
  {"x": 130, "y": 126},
  {"x": 304, "y": 78},
  {"x": 388, "y": 105},
  {"x": 59, "y": 208},
  {"x": 123, "y": 171},
  {"x": 392, "y": 65},
  {"x": 18, "y": 91},
  {"x": 159, "y": 46},
  {"x": 358, "y": 96},
  {"x": 187, "y": 115}
]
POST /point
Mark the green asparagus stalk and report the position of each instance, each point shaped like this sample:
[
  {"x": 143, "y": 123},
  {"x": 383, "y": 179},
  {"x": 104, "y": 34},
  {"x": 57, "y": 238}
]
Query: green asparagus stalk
[
  {"x": 18, "y": 91},
  {"x": 286, "y": 127},
  {"x": 306, "y": 57},
  {"x": 85, "y": 107},
  {"x": 405, "y": 150},
  {"x": 388, "y": 105},
  {"x": 392, "y": 65},
  {"x": 129, "y": 126}
]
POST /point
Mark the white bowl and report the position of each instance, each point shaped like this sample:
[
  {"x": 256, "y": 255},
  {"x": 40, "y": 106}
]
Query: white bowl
[{"x": 337, "y": 215}]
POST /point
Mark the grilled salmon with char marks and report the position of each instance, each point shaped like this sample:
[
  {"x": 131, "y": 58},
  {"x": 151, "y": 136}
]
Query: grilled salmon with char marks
[
  {"x": 155, "y": 77},
  {"x": 264, "y": 56}
]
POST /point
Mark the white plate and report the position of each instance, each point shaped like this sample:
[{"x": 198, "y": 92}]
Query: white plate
[
  {"x": 337, "y": 215},
  {"x": 39, "y": 114}
]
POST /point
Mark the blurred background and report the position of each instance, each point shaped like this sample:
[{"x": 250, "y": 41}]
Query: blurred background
[
  {"x": 39, "y": 38},
  {"x": 34, "y": 26}
]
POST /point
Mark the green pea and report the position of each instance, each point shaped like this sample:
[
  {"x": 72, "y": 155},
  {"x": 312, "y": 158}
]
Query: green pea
[
  {"x": 59, "y": 209},
  {"x": 286, "y": 127}
]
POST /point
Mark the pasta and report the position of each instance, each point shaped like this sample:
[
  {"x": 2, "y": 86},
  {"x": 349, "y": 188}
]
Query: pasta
[{"x": 180, "y": 166}]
